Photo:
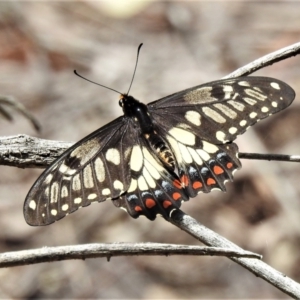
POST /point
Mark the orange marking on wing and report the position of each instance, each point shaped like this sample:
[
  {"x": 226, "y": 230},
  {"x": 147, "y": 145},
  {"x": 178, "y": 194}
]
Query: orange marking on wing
[
  {"x": 185, "y": 180},
  {"x": 210, "y": 181},
  {"x": 218, "y": 170},
  {"x": 138, "y": 208},
  {"x": 150, "y": 203},
  {"x": 176, "y": 196},
  {"x": 167, "y": 203},
  {"x": 197, "y": 185},
  {"x": 229, "y": 165},
  {"x": 177, "y": 184}
]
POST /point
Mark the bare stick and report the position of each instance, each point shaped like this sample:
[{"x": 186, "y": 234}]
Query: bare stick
[
  {"x": 24, "y": 151},
  {"x": 47, "y": 254},
  {"x": 257, "y": 267}
]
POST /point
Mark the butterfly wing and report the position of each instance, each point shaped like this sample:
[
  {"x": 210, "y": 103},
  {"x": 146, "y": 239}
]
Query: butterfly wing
[
  {"x": 91, "y": 170},
  {"x": 200, "y": 124}
]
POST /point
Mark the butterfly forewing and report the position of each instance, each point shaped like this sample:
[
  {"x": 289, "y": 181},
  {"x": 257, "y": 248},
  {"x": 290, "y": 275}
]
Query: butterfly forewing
[
  {"x": 221, "y": 110},
  {"x": 91, "y": 170}
]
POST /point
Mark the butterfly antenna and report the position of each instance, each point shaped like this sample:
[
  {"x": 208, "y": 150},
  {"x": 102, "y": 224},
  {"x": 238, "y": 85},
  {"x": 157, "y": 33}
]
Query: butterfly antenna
[
  {"x": 137, "y": 58},
  {"x": 96, "y": 82}
]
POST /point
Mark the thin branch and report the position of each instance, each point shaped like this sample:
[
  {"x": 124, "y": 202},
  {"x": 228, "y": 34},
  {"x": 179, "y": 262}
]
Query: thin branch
[
  {"x": 47, "y": 254},
  {"x": 257, "y": 267},
  {"x": 266, "y": 60},
  {"x": 24, "y": 151},
  {"x": 18, "y": 106}
]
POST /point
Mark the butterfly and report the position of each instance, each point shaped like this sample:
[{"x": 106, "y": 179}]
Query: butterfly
[{"x": 156, "y": 156}]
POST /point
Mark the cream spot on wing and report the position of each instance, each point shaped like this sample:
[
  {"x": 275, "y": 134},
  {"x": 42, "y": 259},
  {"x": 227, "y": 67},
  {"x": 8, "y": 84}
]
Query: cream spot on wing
[
  {"x": 250, "y": 101},
  {"x": 185, "y": 153},
  {"x": 175, "y": 148},
  {"x": 215, "y": 116},
  {"x": 193, "y": 117},
  {"x": 92, "y": 196},
  {"x": 204, "y": 155},
  {"x": 65, "y": 207},
  {"x": 54, "y": 192},
  {"x": 200, "y": 95},
  {"x": 133, "y": 186},
  {"x": 64, "y": 192},
  {"x": 76, "y": 183},
  {"x": 275, "y": 85},
  {"x": 220, "y": 135},
  {"x": 226, "y": 110},
  {"x": 195, "y": 156},
  {"x": 48, "y": 179},
  {"x": 255, "y": 94},
  {"x": 99, "y": 169},
  {"x": 243, "y": 123},
  {"x": 264, "y": 109},
  {"x": 32, "y": 204},
  {"x": 136, "y": 160},
  {"x": 237, "y": 105},
  {"x": 253, "y": 115},
  {"x": 274, "y": 104},
  {"x": 183, "y": 136},
  {"x": 106, "y": 192},
  {"x": 53, "y": 212},
  {"x": 118, "y": 185},
  {"x": 232, "y": 130},
  {"x": 149, "y": 178},
  {"x": 243, "y": 83},
  {"x": 88, "y": 177},
  {"x": 113, "y": 155},
  {"x": 208, "y": 147},
  {"x": 77, "y": 200},
  {"x": 142, "y": 184}
]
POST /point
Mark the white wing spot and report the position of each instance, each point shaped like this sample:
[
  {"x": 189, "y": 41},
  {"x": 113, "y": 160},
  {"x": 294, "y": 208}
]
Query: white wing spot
[
  {"x": 77, "y": 200},
  {"x": 185, "y": 154},
  {"x": 243, "y": 83},
  {"x": 76, "y": 184},
  {"x": 133, "y": 186},
  {"x": 275, "y": 85},
  {"x": 92, "y": 196},
  {"x": 64, "y": 192},
  {"x": 208, "y": 147},
  {"x": 226, "y": 110},
  {"x": 65, "y": 207},
  {"x": 99, "y": 169},
  {"x": 215, "y": 116},
  {"x": 149, "y": 178},
  {"x": 113, "y": 155},
  {"x": 32, "y": 204},
  {"x": 243, "y": 123},
  {"x": 106, "y": 192},
  {"x": 183, "y": 136},
  {"x": 204, "y": 155},
  {"x": 48, "y": 179},
  {"x": 220, "y": 135},
  {"x": 253, "y": 115},
  {"x": 88, "y": 177},
  {"x": 232, "y": 130},
  {"x": 53, "y": 212},
  {"x": 237, "y": 105},
  {"x": 136, "y": 160},
  {"x": 257, "y": 95},
  {"x": 195, "y": 156},
  {"x": 264, "y": 109},
  {"x": 274, "y": 104},
  {"x": 118, "y": 185},
  {"x": 250, "y": 101},
  {"x": 194, "y": 117},
  {"x": 54, "y": 192},
  {"x": 142, "y": 184}
]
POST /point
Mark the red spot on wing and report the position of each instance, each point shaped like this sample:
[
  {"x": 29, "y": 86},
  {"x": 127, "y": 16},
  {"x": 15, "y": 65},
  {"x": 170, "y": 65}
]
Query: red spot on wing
[
  {"x": 138, "y": 208},
  {"x": 197, "y": 185},
  {"x": 177, "y": 184},
  {"x": 229, "y": 165},
  {"x": 218, "y": 170},
  {"x": 210, "y": 181},
  {"x": 167, "y": 203},
  {"x": 184, "y": 179},
  {"x": 176, "y": 196},
  {"x": 150, "y": 202}
]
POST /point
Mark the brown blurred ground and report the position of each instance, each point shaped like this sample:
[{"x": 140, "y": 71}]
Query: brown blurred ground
[{"x": 185, "y": 44}]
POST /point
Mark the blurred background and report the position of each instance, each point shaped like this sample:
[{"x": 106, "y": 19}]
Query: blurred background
[{"x": 185, "y": 44}]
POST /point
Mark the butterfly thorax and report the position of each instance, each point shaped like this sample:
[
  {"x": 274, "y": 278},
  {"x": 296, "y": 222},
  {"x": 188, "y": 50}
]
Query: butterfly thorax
[{"x": 139, "y": 113}]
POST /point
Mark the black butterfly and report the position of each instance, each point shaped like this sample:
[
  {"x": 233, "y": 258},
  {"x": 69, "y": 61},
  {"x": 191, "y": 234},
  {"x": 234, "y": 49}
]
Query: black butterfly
[{"x": 155, "y": 156}]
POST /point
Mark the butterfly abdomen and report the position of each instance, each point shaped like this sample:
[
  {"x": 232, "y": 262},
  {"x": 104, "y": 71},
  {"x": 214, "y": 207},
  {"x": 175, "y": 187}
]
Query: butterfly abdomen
[{"x": 161, "y": 148}]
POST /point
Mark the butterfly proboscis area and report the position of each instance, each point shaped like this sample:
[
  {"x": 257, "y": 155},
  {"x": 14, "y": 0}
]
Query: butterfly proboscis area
[{"x": 156, "y": 156}]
